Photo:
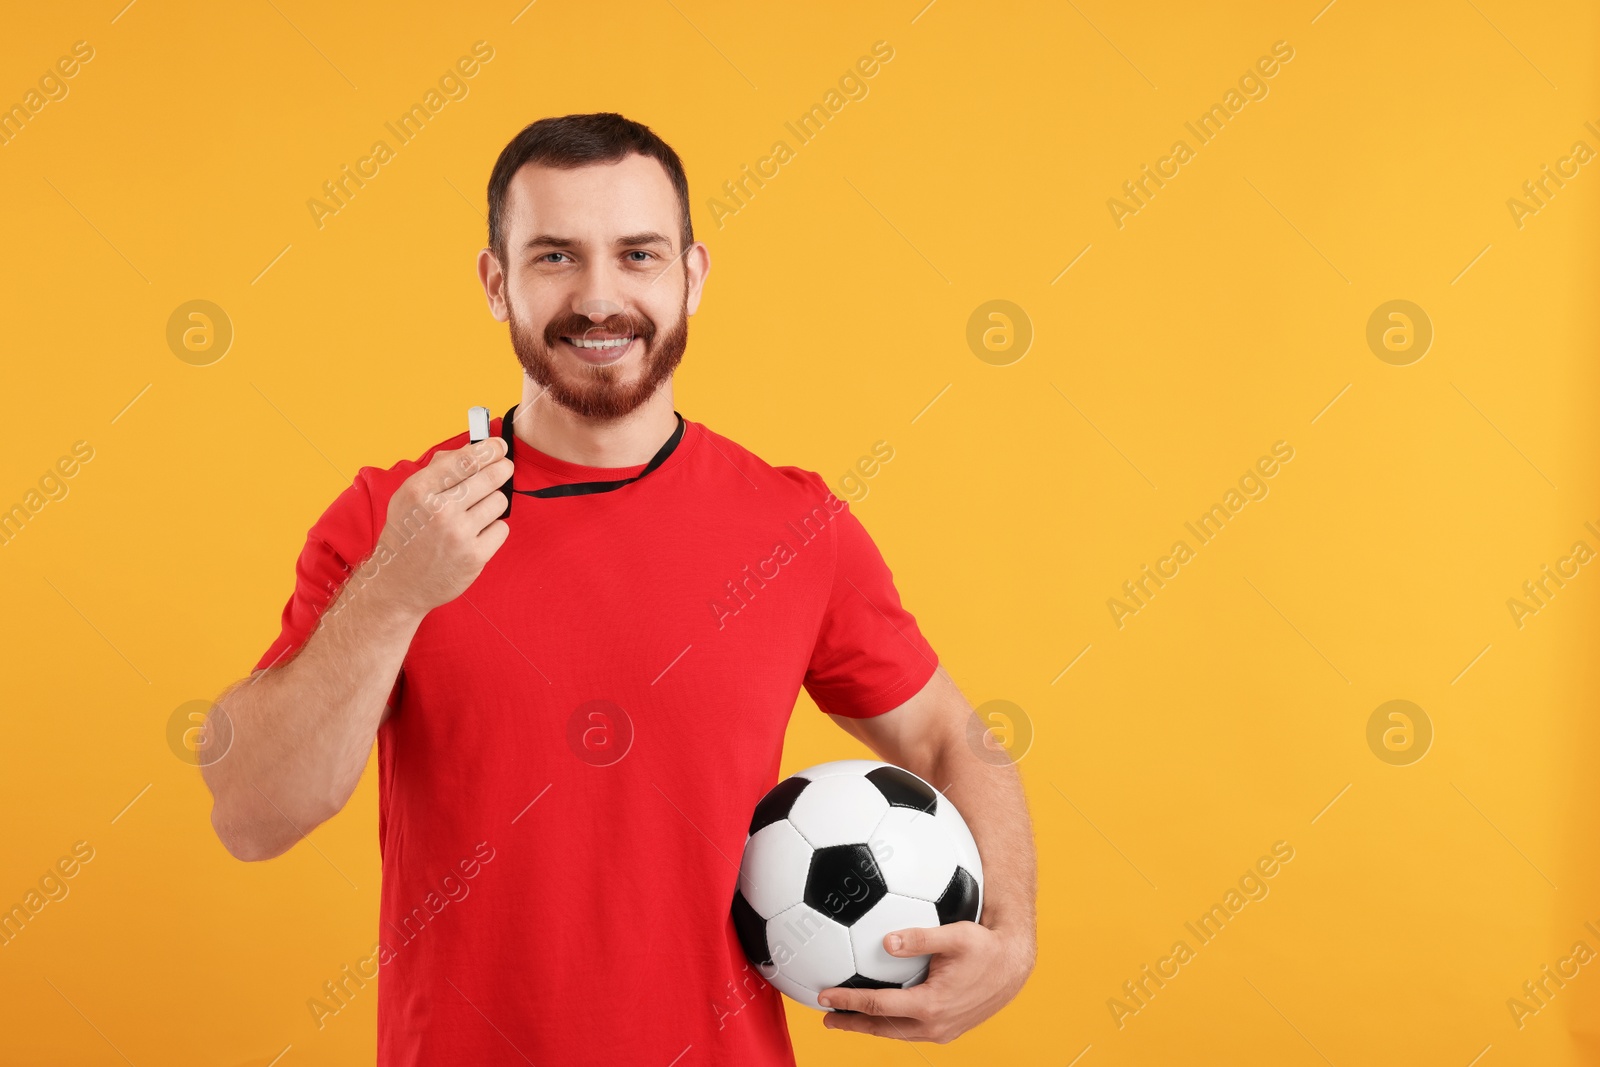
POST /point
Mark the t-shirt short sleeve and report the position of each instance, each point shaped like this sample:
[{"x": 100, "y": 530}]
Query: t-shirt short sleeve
[
  {"x": 336, "y": 544},
  {"x": 870, "y": 657}
]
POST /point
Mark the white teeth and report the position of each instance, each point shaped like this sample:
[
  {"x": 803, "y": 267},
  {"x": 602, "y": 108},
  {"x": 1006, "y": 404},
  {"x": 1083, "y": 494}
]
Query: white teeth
[{"x": 581, "y": 343}]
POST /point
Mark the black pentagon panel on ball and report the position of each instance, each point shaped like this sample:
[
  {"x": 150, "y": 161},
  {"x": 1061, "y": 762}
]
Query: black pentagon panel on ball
[
  {"x": 902, "y": 789},
  {"x": 752, "y": 930},
  {"x": 861, "y": 981},
  {"x": 959, "y": 901},
  {"x": 776, "y": 804},
  {"x": 844, "y": 882}
]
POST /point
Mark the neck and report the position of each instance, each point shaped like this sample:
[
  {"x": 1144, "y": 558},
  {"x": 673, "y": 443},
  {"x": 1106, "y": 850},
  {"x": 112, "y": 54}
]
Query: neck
[{"x": 630, "y": 441}]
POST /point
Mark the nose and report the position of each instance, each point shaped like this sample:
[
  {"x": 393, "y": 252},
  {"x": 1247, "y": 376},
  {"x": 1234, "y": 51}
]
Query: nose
[
  {"x": 596, "y": 308},
  {"x": 595, "y": 294}
]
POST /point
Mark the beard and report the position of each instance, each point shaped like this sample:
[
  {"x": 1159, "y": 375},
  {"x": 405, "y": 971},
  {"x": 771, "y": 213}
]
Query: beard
[{"x": 598, "y": 392}]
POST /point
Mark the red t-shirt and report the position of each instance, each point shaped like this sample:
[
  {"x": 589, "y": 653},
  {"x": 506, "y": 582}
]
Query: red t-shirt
[{"x": 579, "y": 742}]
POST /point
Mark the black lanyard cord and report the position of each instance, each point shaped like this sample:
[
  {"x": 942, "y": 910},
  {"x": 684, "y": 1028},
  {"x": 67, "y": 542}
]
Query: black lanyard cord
[{"x": 507, "y": 433}]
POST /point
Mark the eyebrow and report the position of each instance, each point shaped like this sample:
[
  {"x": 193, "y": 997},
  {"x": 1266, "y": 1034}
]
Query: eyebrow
[{"x": 646, "y": 237}]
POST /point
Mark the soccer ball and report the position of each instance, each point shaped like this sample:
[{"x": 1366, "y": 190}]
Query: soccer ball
[{"x": 840, "y": 855}]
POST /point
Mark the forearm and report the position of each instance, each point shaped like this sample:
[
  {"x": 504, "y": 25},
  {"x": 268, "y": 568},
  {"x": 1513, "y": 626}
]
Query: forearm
[
  {"x": 990, "y": 797},
  {"x": 301, "y": 732},
  {"x": 929, "y": 736},
  {"x": 977, "y": 968}
]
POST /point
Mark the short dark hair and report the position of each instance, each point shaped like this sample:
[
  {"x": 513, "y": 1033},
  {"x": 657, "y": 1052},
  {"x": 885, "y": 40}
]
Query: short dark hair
[{"x": 575, "y": 141}]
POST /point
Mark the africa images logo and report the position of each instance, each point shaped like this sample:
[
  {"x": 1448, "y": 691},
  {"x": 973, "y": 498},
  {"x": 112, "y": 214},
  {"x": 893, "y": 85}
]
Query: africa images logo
[
  {"x": 741, "y": 591},
  {"x": 1252, "y": 86},
  {"x": 337, "y": 993}
]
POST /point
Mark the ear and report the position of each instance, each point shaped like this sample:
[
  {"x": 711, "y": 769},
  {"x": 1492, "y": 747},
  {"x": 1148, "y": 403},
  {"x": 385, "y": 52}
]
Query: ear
[
  {"x": 494, "y": 284},
  {"x": 697, "y": 261}
]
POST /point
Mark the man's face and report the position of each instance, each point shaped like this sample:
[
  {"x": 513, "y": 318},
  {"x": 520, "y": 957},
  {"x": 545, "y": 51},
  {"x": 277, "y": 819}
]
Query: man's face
[{"x": 594, "y": 287}]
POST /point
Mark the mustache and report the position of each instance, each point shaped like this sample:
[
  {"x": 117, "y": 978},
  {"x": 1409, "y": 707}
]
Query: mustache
[{"x": 579, "y": 326}]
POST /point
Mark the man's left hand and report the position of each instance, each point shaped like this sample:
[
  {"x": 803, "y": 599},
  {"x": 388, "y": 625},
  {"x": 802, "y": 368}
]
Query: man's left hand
[{"x": 974, "y": 972}]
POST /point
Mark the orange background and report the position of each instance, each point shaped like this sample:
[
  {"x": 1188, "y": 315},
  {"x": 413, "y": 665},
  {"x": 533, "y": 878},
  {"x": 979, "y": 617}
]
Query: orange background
[{"x": 1228, "y": 313}]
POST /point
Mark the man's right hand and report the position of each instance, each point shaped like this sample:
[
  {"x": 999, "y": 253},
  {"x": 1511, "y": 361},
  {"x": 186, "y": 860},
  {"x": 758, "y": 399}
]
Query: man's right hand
[
  {"x": 443, "y": 525},
  {"x": 302, "y": 730}
]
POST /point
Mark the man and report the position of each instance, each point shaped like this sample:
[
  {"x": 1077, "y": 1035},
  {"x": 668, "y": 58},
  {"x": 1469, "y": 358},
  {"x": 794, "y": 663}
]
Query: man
[{"x": 579, "y": 688}]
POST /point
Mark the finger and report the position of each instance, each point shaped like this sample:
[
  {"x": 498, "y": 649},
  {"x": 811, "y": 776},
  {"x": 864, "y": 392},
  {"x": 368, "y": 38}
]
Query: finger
[
  {"x": 487, "y": 510},
  {"x": 924, "y": 940},
  {"x": 481, "y": 484},
  {"x": 879, "y": 1026},
  {"x": 450, "y": 467},
  {"x": 494, "y": 535},
  {"x": 913, "y": 1002}
]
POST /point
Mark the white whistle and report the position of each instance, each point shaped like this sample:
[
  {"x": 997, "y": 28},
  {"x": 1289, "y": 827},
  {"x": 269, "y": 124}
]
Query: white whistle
[{"x": 477, "y": 424}]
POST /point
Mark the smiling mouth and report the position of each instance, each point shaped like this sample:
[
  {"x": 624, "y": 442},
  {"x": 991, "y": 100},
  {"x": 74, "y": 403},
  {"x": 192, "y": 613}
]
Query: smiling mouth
[
  {"x": 598, "y": 343},
  {"x": 600, "y": 351}
]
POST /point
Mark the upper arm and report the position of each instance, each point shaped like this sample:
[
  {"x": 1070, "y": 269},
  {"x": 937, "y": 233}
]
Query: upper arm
[
  {"x": 339, "y": 543},
  {"x": 918, "y": 732},
  {"x": 340, "y": 540},
  {"x": 871, "y": 669},
  {"x": 869, "y": 655}
]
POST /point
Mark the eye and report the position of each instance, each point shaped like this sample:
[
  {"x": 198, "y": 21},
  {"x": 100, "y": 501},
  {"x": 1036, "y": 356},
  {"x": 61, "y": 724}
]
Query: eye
[
  {"x": 642, "y": 252},
  {"x": 546, "y": 257}
]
